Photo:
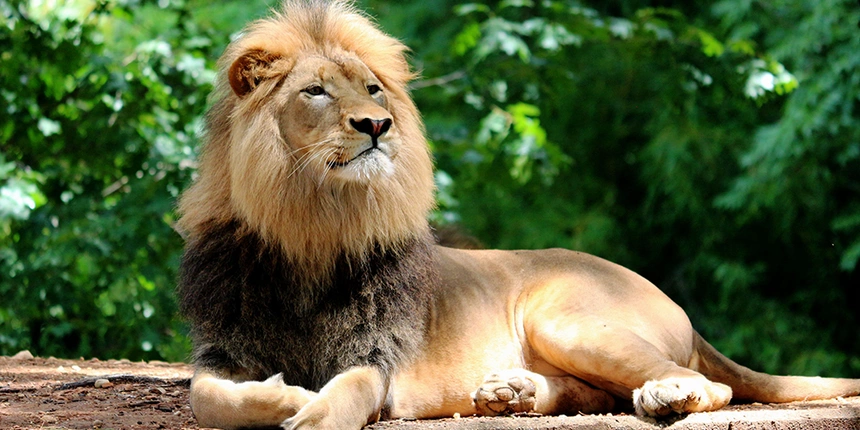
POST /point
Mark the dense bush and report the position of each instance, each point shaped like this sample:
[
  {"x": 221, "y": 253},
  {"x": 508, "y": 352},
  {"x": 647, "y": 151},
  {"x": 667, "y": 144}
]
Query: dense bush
[{"x": 98, "y": 130}]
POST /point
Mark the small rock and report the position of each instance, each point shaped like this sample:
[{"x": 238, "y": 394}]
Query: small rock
[
  {"x": 102, "y": 383},
  {"x": 456, "y": 415},
  {"x": 158, "y": 390},
  {"x": 49, "y": 419},
  {"x": 76, "y": 368},
  {"x": 97, "y": 424},
  {"x": 23, "y": 355}
]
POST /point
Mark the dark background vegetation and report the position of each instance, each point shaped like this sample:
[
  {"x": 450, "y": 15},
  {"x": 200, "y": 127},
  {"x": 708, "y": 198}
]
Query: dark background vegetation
[{"x": 714, "y": 147}]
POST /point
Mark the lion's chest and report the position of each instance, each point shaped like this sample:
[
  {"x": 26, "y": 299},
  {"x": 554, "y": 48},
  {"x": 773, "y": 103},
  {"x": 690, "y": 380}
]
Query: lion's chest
[
  {"x": 350, "y": 327},
  {"x": 250, "y": 313}
]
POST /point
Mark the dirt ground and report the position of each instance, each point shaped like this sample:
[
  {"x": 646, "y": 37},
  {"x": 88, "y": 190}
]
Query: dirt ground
[{"x": 49, "y": 393}]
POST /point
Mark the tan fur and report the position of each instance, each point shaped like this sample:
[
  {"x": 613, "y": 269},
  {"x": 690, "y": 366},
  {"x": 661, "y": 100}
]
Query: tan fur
[
  {"x": 351, "y": 400},
  {"x": 550, "y": 331},
  {"x": 230, "y": 402}
]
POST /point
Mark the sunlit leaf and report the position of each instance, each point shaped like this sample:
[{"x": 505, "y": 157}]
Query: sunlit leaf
[{"x": 710, "y": 45}]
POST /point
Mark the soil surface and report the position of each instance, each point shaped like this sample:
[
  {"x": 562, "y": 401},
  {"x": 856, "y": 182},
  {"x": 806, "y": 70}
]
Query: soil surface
[{"x": 49, "y": 393}]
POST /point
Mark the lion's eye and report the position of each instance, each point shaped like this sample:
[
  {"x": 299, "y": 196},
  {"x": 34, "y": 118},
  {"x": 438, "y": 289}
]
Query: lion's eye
[
  {"x": 373, "y": 89},
  {"x": 314, "y": 90}
]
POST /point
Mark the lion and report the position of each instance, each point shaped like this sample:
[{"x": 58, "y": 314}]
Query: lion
[{"x": 317, "y": 297}]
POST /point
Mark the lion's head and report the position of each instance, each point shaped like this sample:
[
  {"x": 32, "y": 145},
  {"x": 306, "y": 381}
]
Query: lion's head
[{"x": 313, "y": 141}]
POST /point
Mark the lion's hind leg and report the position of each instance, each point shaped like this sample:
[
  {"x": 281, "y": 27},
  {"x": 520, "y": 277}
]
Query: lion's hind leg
[
  {"x": 223, "y": 403},
  {"x": 624, "y": 363},
  {"x": 519, "y": 390}
]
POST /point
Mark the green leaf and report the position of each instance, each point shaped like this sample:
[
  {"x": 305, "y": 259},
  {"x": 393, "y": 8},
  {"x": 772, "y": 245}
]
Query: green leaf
[
  {"x": 745, "y": 47},
  {"x": 710, "y": 45},
  {"x": 19, "y": 197},
  {"x": 515, "y": 3},
  {"x": 467, "y": 39},
  {"x": 850, "y": 257},
  {"x": 467, "y": 8}
]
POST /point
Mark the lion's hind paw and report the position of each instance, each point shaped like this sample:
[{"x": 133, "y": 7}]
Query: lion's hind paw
[
  {"x": 679, "y": 395},
  {"x": 505, "y": 393}
]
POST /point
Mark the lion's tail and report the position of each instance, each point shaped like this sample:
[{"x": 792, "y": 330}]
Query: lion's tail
[{"x": 760, "y": 387}]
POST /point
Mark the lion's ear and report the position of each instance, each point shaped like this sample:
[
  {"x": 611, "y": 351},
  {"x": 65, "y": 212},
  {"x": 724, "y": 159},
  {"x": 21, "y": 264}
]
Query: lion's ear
[{"x": 249, "y": 70}]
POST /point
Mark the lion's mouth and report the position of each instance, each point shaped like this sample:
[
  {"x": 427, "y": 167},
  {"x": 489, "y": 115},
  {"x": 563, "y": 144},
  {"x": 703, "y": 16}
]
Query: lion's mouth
[{"x": 339, "y": 164}]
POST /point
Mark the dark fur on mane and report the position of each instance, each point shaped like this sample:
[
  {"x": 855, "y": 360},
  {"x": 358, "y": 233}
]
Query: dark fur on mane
[{"x": 249, "y": 312}]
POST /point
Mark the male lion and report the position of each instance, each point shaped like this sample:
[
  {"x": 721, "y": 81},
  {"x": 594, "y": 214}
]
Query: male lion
[{"x": 317, "y": 298}]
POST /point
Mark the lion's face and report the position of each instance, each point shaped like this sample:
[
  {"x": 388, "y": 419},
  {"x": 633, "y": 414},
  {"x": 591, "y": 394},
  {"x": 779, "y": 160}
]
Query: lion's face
[{"x": 335, "y": 117}]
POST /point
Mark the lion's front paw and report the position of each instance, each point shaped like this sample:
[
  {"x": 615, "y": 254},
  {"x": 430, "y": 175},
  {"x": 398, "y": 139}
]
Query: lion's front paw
[
  {"x": 505, "y": 393},
  {"x": 679, "y": 395},
  {"x": 317, "y": 414}
]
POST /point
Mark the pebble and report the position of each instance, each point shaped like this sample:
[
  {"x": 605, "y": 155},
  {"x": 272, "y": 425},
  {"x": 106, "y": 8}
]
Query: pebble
[
  {"x": 102, "y": 383},
  {"x": 97, "y": 424},
  {"x": 23, "y": 355}
]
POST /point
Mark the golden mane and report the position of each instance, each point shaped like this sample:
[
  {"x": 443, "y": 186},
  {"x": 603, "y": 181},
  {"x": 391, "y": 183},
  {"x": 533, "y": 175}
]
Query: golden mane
[{"x": 249, "y": 174}]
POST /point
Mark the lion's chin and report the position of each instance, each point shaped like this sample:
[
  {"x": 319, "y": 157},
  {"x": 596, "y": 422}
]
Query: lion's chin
[{"x": 369, "y": 166}]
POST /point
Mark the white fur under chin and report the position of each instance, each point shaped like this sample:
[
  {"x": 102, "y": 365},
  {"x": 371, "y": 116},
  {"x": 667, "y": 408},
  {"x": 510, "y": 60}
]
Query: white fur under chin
[{"x": 371, "y": 166}]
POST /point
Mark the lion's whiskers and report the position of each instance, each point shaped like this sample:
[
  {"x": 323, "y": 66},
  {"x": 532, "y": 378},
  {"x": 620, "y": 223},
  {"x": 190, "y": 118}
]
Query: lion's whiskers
[
  {"x": 312, "y": 145},
  {"x": 302, "y": 162},
  {"x": 325, "y": 171}
]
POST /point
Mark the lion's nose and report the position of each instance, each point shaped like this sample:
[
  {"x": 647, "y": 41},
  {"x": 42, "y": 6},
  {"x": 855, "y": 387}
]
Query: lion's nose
[{"x": 372, "y": 127}]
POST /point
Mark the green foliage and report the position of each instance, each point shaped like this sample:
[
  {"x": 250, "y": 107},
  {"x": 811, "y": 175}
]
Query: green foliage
[
  {"x": 714, "y": 149},
  {"x": 98, "y": 142}
]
